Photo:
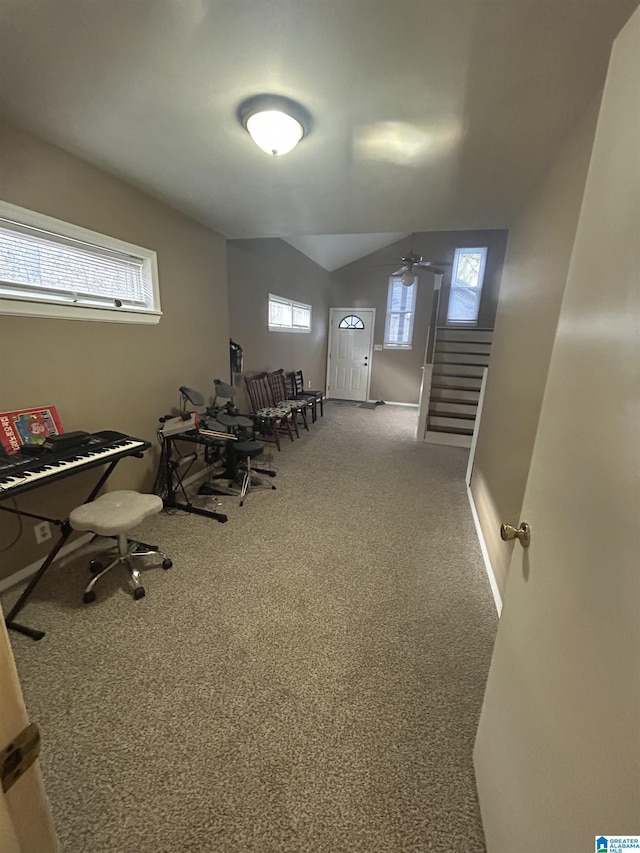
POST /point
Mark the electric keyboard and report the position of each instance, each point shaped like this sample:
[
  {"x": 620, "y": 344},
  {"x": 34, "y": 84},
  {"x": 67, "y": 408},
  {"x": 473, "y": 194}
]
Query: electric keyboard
[{"x": 20, "y": 473}]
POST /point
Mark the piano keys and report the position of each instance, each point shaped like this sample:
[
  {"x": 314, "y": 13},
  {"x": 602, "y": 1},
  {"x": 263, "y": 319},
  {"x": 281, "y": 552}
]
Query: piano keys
[{"x": 20, "y": 473}]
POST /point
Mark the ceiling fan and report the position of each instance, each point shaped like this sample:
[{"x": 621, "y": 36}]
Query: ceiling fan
[{"x": 412, "y": 264}]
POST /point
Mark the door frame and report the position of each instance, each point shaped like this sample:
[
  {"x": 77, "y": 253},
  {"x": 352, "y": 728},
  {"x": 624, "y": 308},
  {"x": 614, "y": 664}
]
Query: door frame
[
  {"x": 26, "y": 823},
  {"x": 353, "y": 310}
]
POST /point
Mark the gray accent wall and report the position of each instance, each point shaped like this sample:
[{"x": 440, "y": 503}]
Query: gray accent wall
[
  {"x": 396, "y": 375},
  {"x": 261, "y": 266},
  {"x": 107, "y": 375}
]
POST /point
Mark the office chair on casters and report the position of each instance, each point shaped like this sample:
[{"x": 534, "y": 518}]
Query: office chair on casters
[{"x": 115, "y": 514}]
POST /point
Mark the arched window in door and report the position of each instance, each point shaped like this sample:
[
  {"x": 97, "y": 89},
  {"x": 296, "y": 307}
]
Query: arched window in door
[{"x": 351, "y": 322}]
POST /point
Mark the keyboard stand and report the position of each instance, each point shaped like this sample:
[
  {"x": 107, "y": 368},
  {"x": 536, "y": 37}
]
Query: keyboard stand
[{"x": 65, "y": 532}]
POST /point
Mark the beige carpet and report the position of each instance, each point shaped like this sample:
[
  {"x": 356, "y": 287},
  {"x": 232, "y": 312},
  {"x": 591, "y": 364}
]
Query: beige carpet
[{"x": 308, "y": 676}]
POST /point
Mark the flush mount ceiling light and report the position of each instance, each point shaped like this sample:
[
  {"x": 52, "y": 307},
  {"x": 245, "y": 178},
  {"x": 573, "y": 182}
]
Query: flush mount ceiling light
[{"x": 276, "y": 124}]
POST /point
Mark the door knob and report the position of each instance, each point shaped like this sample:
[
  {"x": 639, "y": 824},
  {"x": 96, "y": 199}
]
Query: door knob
[{"x": 522, "y": 533}]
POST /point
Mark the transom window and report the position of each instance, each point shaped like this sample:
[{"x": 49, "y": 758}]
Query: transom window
[
  {"x": 401, "y": 307},
  {"x": 351, "y": 322},
  {"x": 467, "y": 278},
  {"x": 51, "y": 268},
  {"x": 285, "y": 315}
]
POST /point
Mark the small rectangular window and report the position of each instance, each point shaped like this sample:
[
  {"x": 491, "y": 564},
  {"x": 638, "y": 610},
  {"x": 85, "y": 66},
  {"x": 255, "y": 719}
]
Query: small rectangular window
[
  {"x": 50, "y": 268},
  {"x": 467, "y": 278},
  {"x": 401, "y": 305},
  {"x": 288, "y": 316}
]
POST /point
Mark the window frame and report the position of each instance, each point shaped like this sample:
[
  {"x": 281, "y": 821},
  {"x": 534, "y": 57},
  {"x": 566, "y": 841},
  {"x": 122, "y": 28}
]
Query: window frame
[
  {"x": 393, "y": 280},
  {"x": 352, "y": 317},
  {"x": 291, "y": 303},
  {"x": 484, "y": 250},
  {"x": 32, "y": 301}
]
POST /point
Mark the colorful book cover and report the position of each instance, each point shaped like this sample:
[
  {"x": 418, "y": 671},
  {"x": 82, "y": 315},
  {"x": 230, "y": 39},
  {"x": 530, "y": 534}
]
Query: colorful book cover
[{"x": 28, "y": 426}]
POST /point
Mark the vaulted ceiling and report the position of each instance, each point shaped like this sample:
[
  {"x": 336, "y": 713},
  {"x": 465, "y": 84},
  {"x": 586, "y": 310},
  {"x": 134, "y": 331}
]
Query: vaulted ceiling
[{"x": 428, "y": 115}]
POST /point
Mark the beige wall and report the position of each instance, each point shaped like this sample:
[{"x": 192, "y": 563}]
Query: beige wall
[
  {"x": 557, "y": 755},
  {"x": 396, "y": 374},
  {"x": 262, "y": 266},
  {"x": 536, "y": 264},
  {"x": 108, "y": 375}
]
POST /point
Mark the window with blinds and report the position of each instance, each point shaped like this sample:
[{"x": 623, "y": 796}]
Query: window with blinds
[
  {"x": 401, "y": 312},
  {"x": 50, "y": 268},
  {"x": 285, "y": 315},
  {"x": 467, "y": 278}
]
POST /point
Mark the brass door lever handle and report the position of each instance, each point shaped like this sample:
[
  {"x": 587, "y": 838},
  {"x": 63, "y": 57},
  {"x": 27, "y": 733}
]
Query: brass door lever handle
[{"x": 522, "y": 533}]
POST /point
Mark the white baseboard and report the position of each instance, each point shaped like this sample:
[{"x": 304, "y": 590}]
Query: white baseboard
[
  {"x": 485, "y": 554},
  {"x": 32, "y": 568}
]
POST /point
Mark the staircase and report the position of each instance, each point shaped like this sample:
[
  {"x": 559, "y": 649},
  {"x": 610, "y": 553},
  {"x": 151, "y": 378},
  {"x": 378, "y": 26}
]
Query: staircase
[{"x": 459, "y": 359}]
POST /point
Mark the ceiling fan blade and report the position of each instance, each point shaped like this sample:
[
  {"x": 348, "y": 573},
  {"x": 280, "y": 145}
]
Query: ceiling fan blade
[
  {"x": 438, "y": 269},
  {"x": 400, "y": 271}
]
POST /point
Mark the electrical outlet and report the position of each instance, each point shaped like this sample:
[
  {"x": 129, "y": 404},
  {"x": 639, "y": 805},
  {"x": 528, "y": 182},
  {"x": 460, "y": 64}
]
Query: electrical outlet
[{"x": 42, "y": 532}]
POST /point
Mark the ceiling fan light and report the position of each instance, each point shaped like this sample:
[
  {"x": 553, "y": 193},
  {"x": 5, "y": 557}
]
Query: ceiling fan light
[
  {"x": 275, "y": 132},
  {"x": 407, "y": 278},
  {"x": 276, "y": 124}
]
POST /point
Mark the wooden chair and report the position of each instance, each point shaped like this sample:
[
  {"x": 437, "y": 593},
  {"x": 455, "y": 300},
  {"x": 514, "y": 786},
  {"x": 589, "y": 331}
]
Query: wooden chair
[
  {"x": 298, "y": 380},
  {"x": 280, "y": 396},
  {"x": 310, "y": 399},
  {"x": 270, "y": 420}
]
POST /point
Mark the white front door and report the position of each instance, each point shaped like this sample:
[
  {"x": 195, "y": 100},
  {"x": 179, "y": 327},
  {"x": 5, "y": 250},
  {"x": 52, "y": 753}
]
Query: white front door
[
  {"x": 349, "y": 359},
  {"x": 557, "y": 754},
  {"x": 25, "y": 819}
]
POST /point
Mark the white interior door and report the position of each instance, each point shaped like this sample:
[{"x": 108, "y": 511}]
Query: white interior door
[
  {"x": 25, "y": 820},
  {"x": 350, "y": 353},
  {"x": 557, "y": 754}
]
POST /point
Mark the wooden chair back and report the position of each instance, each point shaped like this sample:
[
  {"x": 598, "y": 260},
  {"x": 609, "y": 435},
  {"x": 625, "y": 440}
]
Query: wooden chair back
[
  {"x": 259, "y": 391},
  {"x": 278, "y": 386},
  {"x": 272, "y": 419},
  {"x": 298, "y": 380}
]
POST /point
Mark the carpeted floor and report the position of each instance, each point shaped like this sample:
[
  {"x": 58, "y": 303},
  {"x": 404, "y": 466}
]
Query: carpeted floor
[{"x": 307, "y": 678}]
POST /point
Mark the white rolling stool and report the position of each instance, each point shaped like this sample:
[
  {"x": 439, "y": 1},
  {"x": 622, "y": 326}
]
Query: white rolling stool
[{"x": 115, "y": 514}]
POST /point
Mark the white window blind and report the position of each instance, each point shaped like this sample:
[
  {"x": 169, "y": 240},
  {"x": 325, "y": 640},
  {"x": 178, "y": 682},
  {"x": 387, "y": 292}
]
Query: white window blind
[
  {"x": 285, "y": 315},
  {"x": 401, "y": 305},
  {"x": 55, "y": 269},
  {"x": 467, "y": 278}
]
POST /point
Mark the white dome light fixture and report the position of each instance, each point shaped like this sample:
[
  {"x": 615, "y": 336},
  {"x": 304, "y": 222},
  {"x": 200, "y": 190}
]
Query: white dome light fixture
[
  {"x": 408, "y": 277},
  {"x": 275, "y": 123}
]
